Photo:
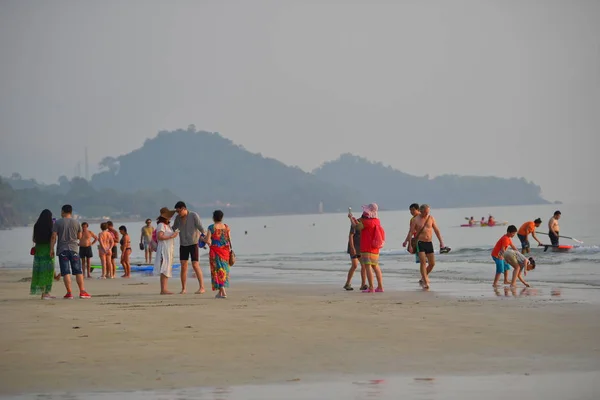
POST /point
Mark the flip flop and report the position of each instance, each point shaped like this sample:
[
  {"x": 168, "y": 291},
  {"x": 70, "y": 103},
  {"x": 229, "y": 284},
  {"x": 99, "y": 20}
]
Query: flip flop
[{"x": 445, "y": 250}]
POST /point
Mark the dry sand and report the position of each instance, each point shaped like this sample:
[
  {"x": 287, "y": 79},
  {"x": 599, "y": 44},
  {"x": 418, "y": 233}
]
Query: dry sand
[{"x": 129, "y": 337}]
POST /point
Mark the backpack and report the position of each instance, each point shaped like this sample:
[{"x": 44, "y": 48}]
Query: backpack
[{"x": 378, "y": 240}]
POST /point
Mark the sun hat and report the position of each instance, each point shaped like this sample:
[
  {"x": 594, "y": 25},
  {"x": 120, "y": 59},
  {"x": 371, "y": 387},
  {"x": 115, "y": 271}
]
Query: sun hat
[
  {"x": 166, "y": 213},
  {"x": 370, "y": 210}
]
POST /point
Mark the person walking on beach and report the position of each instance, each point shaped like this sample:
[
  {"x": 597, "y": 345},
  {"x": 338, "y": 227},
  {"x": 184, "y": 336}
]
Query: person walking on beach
[
  {"x": 113, "y": 252},
  {"x": 43, "y": 262},
  {"x": 146, "y": 239},
  {"x": 369, "y": 254},
  {"x": 414, "y": 211},
  {"x": 106, "y": 242},
  {"x": 189, "y": 224},
  {"x": 424, "y": 225},
  {"x": 218, "y": 237},
  {"x": 125, "y": 251},
  {"x": 524, "y": 231},
  {"x": 163, "y": 262},
  {"x": 498, "y": 254},
  {"x": 553, "y": 228},
  {"x": 354, "y": 252},
  {"x": 66, "y": 233},
  {"x": 85, "y": 248}
]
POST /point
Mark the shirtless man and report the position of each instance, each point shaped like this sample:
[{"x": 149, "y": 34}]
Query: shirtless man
[
  {"x": 414, "y": 211},
  {"x": 85, "y": 248},
  {"x": 424, "y": 224},
  {"x": 553, "y": 228}
]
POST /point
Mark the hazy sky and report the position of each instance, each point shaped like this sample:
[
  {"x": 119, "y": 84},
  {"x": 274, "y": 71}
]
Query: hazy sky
[{"x": 505, "y": 88}]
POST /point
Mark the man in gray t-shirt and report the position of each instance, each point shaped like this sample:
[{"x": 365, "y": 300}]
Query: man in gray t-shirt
[
  {"x": 66, "y": 233},
  {"x": 189, "y": 226}
]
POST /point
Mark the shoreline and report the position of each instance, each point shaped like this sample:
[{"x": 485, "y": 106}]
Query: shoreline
[{"x": 128, "y": 337}]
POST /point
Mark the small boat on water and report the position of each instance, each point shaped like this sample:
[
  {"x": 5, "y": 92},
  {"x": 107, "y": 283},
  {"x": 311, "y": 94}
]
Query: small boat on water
[{"x": 485, "y": 224}]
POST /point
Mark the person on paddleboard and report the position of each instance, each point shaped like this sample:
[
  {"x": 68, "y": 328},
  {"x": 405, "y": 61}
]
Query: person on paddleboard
[{"x": 524, "y": 231}]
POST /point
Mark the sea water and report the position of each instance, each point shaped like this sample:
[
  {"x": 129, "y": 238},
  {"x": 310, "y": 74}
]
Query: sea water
[{"x": 305, "y": 249}]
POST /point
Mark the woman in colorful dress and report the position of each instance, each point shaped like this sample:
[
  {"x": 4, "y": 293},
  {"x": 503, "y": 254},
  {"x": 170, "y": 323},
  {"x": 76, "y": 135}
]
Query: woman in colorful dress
[
  {"x": 43, "y": 259},
  {"x": 163, "y": 262},
  {"x": 219, "y": 239},
  {"x": 369, "y": 255}
]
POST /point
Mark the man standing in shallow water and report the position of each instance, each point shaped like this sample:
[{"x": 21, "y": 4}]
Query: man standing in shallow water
[
  {"x": 553, "y": 228},
  {"x": 190, "y": 227},
  {"x": 423, "y": 225}
]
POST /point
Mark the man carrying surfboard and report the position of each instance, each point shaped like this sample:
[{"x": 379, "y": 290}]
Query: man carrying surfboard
[
  {"x": 553, "y": 228},
  {"x": 524, "y": 231}
]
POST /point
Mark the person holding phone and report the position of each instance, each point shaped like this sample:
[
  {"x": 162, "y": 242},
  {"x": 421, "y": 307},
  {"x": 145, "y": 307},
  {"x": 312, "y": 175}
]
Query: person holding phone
[
  {"x": 191, "y": 228},
  {"x": 354, "y": 252}
]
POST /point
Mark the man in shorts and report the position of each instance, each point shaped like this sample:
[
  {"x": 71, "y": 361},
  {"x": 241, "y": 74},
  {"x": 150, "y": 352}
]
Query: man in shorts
[
  {"x": 354, "y": 251},
  {"x": 553, "y": 228},
  {"x": 146, "y": 239},
  {"x": 114, "y": 251},
  {"x": 190, "y": 227},
  {"x": 85, "y": 248},
  {"x": 66, "y": 233},
  {"x": 414, "y": 211},
  {"x": 424, "y": 225},
  {"x": 524, "y": 231}
]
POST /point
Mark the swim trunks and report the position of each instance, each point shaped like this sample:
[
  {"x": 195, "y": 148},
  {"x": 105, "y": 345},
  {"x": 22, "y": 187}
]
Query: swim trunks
[
  {"x": 553, "y": 238},
  {"x": 425, "y": 247},
  {"x": 85, "y": 252},
  {"x": 524, "y": 242},
  {"x": 501, "y": 265}
]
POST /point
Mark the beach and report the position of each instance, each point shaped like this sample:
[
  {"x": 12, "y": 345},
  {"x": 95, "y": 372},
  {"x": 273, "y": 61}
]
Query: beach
[{"x": 127, "y": 337}]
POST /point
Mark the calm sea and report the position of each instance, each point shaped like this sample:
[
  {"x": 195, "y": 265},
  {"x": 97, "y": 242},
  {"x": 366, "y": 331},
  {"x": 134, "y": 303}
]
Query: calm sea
[{"x": 311, "y": 249}]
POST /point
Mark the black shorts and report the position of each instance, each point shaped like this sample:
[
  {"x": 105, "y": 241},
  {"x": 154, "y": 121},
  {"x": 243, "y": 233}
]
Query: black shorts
[
  {"x": 524, "y": 242},
  {"x": 186, "y": 251},
  {"x": 114, "y": 252},
  {"x": 553, "y": 238},
  {"x": 357, "y": 255},
  {"x": 86, "y": 252},
  {"x": 425, "y": 247}
]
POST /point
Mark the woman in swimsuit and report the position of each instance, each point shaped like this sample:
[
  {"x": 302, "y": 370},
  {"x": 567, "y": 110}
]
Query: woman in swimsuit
[{"x": 125, "y": 251}]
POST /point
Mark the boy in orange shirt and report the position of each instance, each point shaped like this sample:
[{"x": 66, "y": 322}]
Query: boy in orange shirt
[{"x": 505, "y": 242}]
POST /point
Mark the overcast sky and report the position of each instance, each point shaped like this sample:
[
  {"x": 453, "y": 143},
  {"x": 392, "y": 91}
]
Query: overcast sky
[{"x": 505, "y": 88}]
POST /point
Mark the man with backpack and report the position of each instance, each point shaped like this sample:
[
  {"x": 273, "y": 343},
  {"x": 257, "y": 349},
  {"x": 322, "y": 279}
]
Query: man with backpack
[{"x": 424, "y": 224}]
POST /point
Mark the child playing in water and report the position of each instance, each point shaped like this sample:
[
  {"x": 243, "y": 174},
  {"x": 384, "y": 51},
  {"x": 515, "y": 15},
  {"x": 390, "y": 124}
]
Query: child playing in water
[
  {"x": 498, "y": 254},
  {"x": 520, "y": 264},
  {"x": 106, "y": 242}
]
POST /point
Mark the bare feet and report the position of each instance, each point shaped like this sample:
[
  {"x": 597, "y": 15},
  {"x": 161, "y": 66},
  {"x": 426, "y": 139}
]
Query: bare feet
[
  {"x": 183, "y": 291},
  {"x": 166, "y": 292},
  {"x": 200, "y": 291}
]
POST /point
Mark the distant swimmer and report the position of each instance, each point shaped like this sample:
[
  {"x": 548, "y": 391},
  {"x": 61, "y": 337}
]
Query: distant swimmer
[
  {"x": 553, "y": 228},
  {"x": 524, "y": 231}
]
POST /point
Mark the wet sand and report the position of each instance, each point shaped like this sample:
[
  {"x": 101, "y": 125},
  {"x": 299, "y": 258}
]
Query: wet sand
[{"x": 127, "y": 337}]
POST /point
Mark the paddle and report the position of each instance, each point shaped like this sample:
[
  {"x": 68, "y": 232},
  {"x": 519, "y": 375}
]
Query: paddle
[{"x": 560, "y": 236}]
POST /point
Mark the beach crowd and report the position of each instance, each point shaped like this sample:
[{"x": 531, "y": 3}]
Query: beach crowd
[{"x": 73, "y": 244}]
